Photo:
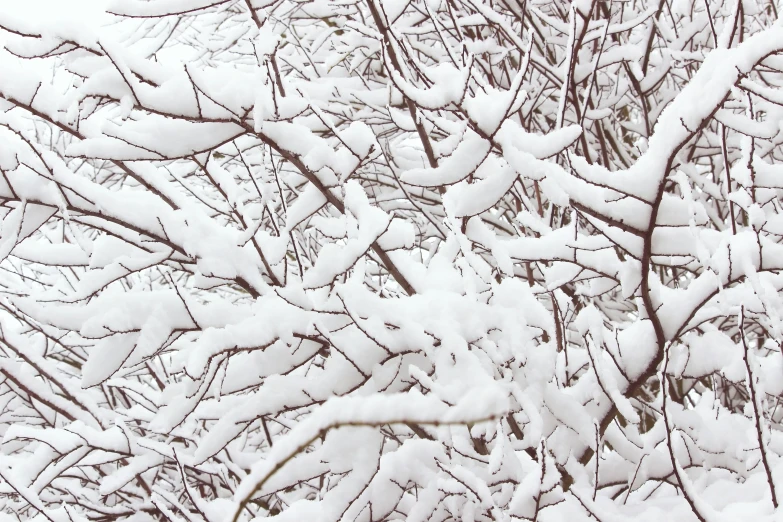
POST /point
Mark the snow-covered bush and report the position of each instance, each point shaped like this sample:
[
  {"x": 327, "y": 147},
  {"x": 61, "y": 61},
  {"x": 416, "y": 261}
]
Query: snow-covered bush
[{"x": 422, "y": 260}]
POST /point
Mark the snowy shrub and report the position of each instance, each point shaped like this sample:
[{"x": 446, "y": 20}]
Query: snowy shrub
[{"x": 375, "y": 260}]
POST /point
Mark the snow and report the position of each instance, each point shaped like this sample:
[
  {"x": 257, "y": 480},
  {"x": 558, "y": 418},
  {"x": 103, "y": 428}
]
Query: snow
[
  {"x": 412, "y": 260},
  {"x": 470, "y": 199},
  {"x": 449, "y": 86},
  {"x": 107, "y": 357},
  {"x": 147, "y": 140},
  {"x": 466, "y": 158}
]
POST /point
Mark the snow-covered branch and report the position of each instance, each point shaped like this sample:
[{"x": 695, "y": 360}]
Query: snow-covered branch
[{"x": 420, "y": 260}]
